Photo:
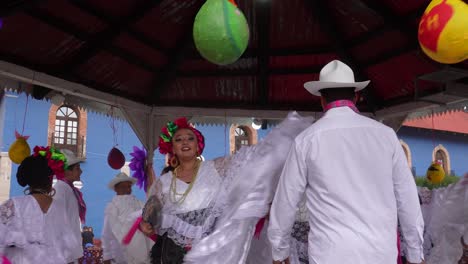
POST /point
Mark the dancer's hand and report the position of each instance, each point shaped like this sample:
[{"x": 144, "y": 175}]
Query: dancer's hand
[
  {"x": 146, "y": 228},
  {"x": 286, "y": 261}
]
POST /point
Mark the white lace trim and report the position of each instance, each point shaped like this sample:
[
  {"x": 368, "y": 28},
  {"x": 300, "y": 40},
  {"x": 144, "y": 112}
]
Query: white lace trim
[{"x": 7, "y": 212}]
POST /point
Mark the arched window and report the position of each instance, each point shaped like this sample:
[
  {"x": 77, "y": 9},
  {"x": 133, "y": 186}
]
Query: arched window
[
  {"x": 67, "y": 129},
  {"x": 441, "y": 155},
  {"x": 242, "y": 136}
]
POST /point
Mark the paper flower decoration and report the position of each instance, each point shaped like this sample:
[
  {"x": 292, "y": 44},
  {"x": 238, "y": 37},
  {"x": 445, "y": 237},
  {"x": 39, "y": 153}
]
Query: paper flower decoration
[{"x": 138, "y": 166}]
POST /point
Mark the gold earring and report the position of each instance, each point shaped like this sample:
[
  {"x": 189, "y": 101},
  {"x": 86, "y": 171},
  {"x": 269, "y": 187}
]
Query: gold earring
[{"x": 174, "y": 162}]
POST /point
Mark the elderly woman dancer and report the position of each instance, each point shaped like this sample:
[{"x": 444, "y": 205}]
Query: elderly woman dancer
[
  {"x": 33, "y": 227},
  {"x": 206, "y": 211}
]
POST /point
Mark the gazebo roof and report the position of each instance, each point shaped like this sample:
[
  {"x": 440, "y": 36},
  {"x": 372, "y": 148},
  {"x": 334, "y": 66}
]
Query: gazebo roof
[{"x": 143, "y": 51}]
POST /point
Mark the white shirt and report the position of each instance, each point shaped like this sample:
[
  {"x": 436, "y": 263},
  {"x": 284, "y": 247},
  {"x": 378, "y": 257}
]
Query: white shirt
[
  {"x": 65, "y": 195},
  {"x": 357, "y": 184},
  {"x": 29, "y": 235},
  {"x": 119, "y": 217}
]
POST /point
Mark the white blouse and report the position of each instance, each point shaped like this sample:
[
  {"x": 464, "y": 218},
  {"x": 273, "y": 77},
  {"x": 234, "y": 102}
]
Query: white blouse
[
  {"x": 119, "y": 217},
  {"x": 30, "y": 236}
]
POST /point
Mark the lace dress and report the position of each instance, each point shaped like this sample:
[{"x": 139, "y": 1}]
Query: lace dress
[
  {"x": 216, "y": 221},
  {"x": 445, "y": 212},
  {"x": 30, "y": 236}
]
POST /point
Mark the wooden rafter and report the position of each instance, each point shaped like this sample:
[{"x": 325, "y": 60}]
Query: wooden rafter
[
  {"x": 263, "y": 10},
  {"x": 8, "y": 9},
  {"x": 176, "y": 56},
  {"x": 395, "y": 21},
  {"x": 322, "y": 11},
  {"x": 102, "y": 39},
  {"x": 71, "y": 29},
  {"x": 225, "y": 72},
  {"x": 88, "y": 8}
]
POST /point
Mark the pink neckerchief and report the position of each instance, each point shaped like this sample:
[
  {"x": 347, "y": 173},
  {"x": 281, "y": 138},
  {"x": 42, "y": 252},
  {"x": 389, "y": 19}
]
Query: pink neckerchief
[
  {"x": 340, "y": 103},
  {"x": 79, "y": 198}
]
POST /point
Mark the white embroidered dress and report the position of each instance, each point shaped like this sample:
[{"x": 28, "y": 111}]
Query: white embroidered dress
[
  {"x": 30, "y": 236},
  {"x": 218, "y": 217},
  {"x": 445, "y": 212}
]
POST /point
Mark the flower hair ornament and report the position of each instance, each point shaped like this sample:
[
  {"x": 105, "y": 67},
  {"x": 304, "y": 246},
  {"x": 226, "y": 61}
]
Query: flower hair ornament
[
  {"x": 167, "y": 132},
  {"x": 55, "y": 159}
]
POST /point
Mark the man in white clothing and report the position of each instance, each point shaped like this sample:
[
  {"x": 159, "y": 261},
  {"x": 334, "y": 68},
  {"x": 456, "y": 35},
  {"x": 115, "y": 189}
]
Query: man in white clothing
[
  {"x": 356, "y": 181},
  {"x": 120, "y": 215},
  {"x": 68, "y": 194}
]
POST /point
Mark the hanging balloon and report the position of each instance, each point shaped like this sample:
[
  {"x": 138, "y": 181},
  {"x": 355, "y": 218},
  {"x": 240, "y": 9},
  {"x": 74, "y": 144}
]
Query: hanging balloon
[
  {"x": 443, "y": 31},
  {"x": 20, "y": 149},
  {"x": 220, "y": 32},
  {"x": 116, "y": 159},
  {"x": 435, "y": 173}
]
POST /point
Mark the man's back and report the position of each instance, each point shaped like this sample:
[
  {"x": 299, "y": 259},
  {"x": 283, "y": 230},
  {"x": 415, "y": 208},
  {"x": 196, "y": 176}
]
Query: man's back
[
  {"x": 350, "y": 192},
  {"x": 346, "y": 164}
]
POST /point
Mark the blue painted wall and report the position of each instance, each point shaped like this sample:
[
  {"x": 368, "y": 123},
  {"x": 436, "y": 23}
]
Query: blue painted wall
[{"x": 422, "y": 142}]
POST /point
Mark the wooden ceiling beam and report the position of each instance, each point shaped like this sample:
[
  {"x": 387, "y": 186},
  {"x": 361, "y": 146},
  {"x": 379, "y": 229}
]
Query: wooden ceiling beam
[
  {"x": 395, "y": 21},
  {"x": 248, "y": 72},
  {"x": 263, "y": 13},
  {"x": 71, "y": 29},
  {"x": 102, "y": 39},
  {"x": 9, "y": 9},
  {"x": 175, "y": 58},
  {"x": 88, "y": 8}
]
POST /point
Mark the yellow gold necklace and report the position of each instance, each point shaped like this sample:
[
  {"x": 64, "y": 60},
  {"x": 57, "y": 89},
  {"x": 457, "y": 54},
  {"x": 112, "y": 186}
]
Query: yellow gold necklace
[{"x": 189, "y": 188}]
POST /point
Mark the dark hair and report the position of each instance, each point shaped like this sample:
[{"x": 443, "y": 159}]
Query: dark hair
[
  {"x": 70, "y": 167},
  {"x": 333, "y": 94},
  {"x": 34, "y": 172},
  {"x": 167, "y": 169}
]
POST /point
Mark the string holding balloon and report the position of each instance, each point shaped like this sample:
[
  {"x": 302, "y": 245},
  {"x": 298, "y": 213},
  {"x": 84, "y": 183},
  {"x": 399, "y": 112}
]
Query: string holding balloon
[
  {"x": 19, "y": 149},
  {"x": 115, "y": 158}
]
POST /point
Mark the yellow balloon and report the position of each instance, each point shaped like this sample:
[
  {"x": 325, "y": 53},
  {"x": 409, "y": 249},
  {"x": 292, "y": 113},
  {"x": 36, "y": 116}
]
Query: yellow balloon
[
  {"x": 443, "y": 31},
  {"x": 19, "y": 150},
  {"x": 435, "y": 173}
]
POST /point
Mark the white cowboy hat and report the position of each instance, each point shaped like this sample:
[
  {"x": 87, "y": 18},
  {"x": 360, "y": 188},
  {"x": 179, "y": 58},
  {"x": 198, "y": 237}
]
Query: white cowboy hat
[
  {"x": 121, "y": 177},
  {"x": 71, "y": 157},
  {"x": 335, "y": 74}
]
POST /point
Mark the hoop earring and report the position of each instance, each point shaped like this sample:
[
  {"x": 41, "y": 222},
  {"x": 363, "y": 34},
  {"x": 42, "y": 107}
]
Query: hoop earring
[
  {"x": 27, "y": 191},
  {"x": 52, "y": 192},
  {"x": 174, "y": 162}
]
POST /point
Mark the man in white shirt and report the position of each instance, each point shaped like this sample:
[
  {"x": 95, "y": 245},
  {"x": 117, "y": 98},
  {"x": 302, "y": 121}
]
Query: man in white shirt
[
  {"x": 73, "y": 200},
  {"x": 120, "y": 215},
  {"x": 356, "y": 181}
]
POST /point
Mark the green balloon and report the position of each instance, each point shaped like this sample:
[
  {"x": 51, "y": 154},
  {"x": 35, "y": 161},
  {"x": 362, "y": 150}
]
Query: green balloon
[{"x": 220, "y": 32}]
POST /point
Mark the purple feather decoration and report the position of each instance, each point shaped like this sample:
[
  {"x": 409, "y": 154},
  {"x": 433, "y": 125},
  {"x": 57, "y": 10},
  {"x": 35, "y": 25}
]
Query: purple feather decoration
[{"x": 137, "y": 165}]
